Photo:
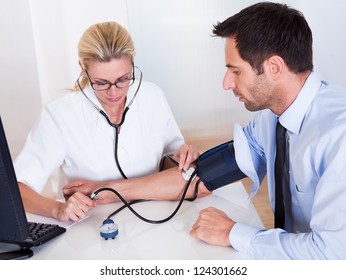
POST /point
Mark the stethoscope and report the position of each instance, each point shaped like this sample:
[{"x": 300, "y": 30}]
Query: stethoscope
[
  {"x": 108, "y": 228},
  {"x": 118, "y": 125}
]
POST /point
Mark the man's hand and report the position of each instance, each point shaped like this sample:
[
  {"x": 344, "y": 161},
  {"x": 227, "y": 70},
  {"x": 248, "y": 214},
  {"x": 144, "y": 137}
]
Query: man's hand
[
  {"x": 75, "y": 208},
  {"x": 186, "y": 155},
  {"x": 213, "y": 226},
  {"x": 87, "y": 188}
]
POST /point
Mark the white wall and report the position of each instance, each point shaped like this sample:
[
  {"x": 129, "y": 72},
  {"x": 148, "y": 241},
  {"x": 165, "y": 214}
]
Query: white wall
[
  {"x": 175, "y": 49},
  {"x": 19, "y": 91}
]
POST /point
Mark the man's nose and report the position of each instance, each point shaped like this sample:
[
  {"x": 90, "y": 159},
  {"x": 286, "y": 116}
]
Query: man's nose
[{"x": 228, "y": 82}]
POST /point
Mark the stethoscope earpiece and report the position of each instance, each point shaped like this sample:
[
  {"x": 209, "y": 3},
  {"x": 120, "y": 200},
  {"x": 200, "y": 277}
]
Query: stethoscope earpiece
[{"x": 108, "y": 229}]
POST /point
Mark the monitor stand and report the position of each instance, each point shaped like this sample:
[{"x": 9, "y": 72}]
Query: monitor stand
[{"x": 22, "y": 253}]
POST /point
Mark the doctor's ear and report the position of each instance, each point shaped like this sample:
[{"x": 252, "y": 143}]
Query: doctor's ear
[{"x": 81, "y": 66}]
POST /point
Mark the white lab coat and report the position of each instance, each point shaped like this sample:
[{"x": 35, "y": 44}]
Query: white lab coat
[{"x": 72, "y": 135}]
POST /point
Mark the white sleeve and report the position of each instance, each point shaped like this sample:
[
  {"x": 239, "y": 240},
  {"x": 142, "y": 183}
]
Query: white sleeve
[
  {"x": 172, "y": 135},
  {"x": 43, "y": 152}
]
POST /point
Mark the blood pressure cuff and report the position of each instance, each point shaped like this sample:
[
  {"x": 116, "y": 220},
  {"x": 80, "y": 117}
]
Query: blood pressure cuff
[{"x": 217, "y": 167}]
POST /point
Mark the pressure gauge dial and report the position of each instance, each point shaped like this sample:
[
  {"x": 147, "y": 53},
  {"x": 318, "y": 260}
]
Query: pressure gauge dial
[{"x": 108, "y": 229}]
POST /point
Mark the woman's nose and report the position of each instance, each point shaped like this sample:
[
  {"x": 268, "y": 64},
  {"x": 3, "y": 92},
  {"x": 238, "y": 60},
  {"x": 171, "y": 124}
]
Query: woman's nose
[{"x": 113, "y": 90}]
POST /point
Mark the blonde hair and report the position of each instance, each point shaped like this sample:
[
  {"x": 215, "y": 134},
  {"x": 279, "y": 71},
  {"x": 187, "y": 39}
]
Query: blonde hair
[{"x": 103, "y": 42}]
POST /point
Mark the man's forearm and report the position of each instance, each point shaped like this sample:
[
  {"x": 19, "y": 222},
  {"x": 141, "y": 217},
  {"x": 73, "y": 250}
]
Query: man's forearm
[{"x": 166, "y": 185}]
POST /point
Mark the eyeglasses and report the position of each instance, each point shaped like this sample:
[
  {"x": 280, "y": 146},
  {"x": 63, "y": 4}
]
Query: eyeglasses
[{"x": 121, "y": 83}]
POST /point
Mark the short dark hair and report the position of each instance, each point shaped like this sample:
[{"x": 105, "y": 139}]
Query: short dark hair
[{"x": 266, "y": 29}]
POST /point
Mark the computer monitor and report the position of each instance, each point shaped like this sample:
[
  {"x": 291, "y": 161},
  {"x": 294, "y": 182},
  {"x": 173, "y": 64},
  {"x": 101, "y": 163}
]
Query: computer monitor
[
  {"x": 14, "y": 227},
  {"x": 13, "y": 222}
]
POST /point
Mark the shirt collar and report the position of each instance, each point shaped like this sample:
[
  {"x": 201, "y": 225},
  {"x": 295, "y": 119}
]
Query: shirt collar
[{"x": 293, "y": 117}]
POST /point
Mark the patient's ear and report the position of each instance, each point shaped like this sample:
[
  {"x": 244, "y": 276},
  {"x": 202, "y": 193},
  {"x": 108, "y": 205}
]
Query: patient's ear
[{"x": 275, "y": 65}]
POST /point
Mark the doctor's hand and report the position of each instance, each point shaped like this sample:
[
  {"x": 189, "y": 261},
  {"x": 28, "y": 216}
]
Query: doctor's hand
[
  {"x": 87, "y": 188},
  {"x": 213, "y": 226},
  {"x": 186, "y": 155},
  {"x": 75, "y": 208}
]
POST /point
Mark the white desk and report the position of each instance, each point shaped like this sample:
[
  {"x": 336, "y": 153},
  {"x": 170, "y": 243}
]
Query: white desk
[{"x": 140, "y": 240}]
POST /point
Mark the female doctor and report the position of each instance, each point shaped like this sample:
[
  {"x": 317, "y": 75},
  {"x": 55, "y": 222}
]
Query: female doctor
[{"x": 112, "y": 126}]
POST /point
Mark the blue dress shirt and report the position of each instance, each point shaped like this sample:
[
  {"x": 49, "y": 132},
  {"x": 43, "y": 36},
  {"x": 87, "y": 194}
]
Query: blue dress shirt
[{"x": 316, "y": 128}]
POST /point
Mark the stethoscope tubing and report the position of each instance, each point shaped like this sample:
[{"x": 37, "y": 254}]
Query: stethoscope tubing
[
  {"x": 116, "y": 130},
  {"x": 118, "y": 125}
]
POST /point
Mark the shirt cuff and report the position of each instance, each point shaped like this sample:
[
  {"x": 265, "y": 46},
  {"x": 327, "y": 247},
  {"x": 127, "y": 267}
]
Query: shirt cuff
[{"x": 241, "y": 236}]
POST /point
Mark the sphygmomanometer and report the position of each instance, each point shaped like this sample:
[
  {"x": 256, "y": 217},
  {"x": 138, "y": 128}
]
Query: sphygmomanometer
[{"x": 216, "y": 167}]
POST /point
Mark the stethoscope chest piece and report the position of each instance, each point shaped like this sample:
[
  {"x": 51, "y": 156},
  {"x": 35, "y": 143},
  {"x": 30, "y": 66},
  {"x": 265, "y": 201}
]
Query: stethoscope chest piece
[{"x": 108, "y": 229}]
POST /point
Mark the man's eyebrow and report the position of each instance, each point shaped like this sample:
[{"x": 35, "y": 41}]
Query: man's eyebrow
[{"x": 228, "y": 65}]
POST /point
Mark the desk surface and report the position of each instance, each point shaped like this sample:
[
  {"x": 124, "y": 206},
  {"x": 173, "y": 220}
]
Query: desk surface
[{"x": 141, "y": 240}]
